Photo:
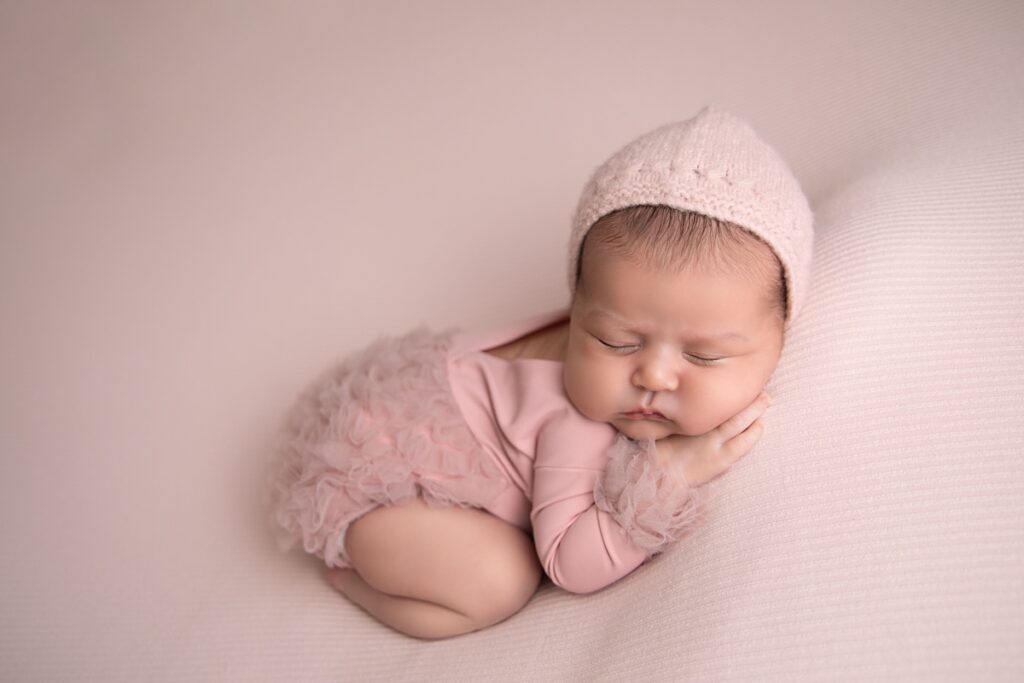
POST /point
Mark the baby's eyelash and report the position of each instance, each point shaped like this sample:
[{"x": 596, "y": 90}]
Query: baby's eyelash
[
  {"x": 699, "y": 360},
  {"x": 613, "y": 346}
]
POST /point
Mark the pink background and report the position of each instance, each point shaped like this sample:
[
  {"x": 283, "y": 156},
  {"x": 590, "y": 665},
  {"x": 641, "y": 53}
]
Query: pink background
[{"x": 202, "y": 204}]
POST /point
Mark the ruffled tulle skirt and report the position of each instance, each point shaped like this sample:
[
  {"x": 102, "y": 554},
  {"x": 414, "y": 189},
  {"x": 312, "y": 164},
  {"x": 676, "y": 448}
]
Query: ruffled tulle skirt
[{"x": 380, "y": 428}]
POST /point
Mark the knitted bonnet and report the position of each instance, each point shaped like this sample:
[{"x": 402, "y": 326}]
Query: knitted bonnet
[{"x": 716, "y": 165}]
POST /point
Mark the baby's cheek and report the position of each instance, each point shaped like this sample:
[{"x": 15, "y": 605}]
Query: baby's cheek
[
  {"x": 583, "y": 387},
  {"x": 726, "y": 404},
  {"x": 575, "y": 389},
  {"x": 692, "y": 423}
]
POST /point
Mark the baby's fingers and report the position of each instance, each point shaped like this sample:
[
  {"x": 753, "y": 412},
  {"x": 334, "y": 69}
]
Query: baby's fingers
[
  {"x": 738, "y": 423},
  {"x": 703, "y": 469},
  {"x": 738, "y": 446}
]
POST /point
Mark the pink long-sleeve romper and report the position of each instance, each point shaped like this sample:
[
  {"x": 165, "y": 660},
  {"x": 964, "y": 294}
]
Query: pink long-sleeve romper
[{"x": 433, "y": 415}]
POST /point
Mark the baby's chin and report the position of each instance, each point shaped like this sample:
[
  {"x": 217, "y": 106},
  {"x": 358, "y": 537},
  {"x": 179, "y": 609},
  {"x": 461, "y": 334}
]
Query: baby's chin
[{"x": 641, "y": 430}]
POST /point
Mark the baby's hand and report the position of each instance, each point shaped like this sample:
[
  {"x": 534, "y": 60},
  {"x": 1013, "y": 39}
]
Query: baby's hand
[{"x": 699, "y": 459}]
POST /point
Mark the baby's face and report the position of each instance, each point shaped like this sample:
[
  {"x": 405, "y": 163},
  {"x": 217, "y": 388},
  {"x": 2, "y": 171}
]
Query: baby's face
[{"x": 664, "y": 325}]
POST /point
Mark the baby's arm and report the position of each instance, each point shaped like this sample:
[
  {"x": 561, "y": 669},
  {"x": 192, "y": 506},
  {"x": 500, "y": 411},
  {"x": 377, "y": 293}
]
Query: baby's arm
[
  {"x": 601, "y": 511},
  {"x": 581, "y": 547}
]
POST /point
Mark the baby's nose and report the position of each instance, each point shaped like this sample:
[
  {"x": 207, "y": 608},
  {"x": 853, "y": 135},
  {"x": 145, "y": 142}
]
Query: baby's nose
[{"x": 656, "y": 377}]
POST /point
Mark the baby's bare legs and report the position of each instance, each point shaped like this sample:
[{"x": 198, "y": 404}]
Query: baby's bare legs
[{"x": 437, "y": 572}]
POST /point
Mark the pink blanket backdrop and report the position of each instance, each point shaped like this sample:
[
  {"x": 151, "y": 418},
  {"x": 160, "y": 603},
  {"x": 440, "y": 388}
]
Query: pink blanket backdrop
[{"x": 204, "y": 204}]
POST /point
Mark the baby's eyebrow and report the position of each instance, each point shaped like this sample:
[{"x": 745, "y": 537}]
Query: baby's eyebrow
[
  {"x": 708, "y": 337},
  {"x": 601, "y": 313},
  {"x": 722, "y": 337}
]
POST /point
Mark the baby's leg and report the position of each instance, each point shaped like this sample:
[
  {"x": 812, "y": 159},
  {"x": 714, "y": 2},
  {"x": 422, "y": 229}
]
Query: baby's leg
[
  {"x": 418, "y": 618},
  {"x": 437, "y": 572}
]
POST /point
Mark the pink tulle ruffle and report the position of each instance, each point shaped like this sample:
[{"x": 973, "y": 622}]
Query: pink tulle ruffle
[
  {"x": 652, "y": 506},
  {"x": 380, "y": 428}
]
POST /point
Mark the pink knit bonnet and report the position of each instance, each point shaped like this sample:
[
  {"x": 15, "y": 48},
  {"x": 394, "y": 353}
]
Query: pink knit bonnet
[{"x": 713, "y": 164}]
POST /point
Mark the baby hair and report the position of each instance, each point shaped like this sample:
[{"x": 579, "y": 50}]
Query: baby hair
[{"x": 669, "y": 239}]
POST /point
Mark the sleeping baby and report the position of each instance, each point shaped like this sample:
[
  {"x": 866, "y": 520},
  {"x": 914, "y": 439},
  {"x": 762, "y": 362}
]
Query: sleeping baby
[{"x": 441, "y": 474}]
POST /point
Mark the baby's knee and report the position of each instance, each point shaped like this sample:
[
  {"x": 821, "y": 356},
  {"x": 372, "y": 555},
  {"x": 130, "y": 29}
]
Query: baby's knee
[
  {"x": 465, "y": 560},
  {"x": 508, "y": 576}
]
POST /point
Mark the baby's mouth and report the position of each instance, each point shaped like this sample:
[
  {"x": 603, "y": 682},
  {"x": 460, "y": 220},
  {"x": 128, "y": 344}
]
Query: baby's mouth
[{"x": 645, "y": 415}]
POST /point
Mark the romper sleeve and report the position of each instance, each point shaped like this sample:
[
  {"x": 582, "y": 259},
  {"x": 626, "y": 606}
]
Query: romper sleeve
[
  {"x": 597, "y": 516},
  {"x": 652, "y": 505}
]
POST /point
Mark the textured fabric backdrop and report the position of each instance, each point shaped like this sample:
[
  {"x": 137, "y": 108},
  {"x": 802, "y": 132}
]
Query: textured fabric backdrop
[{"x": 204, "y": 204}]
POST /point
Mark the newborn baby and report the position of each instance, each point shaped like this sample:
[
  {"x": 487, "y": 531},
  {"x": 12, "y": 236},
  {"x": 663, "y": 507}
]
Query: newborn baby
[{"x": 441, "y": 474}]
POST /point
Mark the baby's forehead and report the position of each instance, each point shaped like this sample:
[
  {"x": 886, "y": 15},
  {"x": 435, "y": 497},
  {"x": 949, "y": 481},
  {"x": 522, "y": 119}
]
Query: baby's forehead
[
  {"x": 710, "y": 297},
  {"x": 627, "y": 320}
]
